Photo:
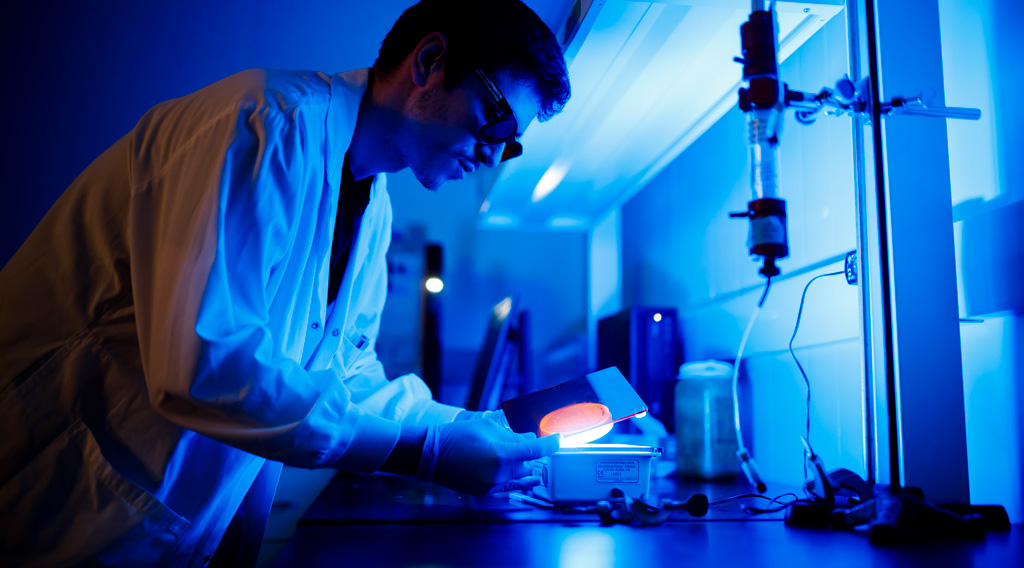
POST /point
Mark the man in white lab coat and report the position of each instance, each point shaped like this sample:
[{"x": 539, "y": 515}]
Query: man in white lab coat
[{"x": 201, "y": 305}]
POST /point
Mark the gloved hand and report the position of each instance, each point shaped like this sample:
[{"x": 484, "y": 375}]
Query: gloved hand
[
  {"x": 497, "y": 416},
  {"x": 479, "y": 456}
]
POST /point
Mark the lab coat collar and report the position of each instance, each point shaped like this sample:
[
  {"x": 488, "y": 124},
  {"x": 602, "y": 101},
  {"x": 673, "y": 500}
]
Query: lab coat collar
[{"x": 347, "y": 90}]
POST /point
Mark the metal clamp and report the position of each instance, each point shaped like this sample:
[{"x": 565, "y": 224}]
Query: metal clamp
[{"x": 848, "y": 97}]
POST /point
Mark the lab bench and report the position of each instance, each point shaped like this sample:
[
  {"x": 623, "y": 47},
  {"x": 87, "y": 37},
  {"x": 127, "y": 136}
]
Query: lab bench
[{"x": 391, "y": 521}]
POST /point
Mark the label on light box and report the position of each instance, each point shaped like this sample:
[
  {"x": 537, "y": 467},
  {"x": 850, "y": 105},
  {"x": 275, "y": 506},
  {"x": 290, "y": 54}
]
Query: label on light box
[{"x": 617, "y": 470}]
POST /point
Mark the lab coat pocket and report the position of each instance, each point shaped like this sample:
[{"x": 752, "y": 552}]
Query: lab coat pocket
[
  {"x": 68, "y": 504},
  {"x": 353, "y": 344}
]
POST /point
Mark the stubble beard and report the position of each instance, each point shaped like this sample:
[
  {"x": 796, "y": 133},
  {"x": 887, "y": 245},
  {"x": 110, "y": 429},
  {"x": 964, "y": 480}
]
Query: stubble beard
[{"x": 428, "y": 109}]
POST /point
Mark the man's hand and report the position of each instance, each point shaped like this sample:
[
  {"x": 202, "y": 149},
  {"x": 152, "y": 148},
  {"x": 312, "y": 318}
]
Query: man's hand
[{"x": 479, "y": 456}]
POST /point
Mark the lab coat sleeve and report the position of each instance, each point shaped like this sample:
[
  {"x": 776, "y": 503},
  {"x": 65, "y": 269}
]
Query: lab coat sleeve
[
  {"x": 407, "y": 399},
  {"x": 207, "y": 269}
]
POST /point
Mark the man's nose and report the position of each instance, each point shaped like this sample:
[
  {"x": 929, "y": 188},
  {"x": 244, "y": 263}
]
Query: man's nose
[{"x": 490, "y": 154}]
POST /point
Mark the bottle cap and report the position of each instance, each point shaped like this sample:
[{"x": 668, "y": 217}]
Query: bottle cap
[{"x": 702, "y": 369}]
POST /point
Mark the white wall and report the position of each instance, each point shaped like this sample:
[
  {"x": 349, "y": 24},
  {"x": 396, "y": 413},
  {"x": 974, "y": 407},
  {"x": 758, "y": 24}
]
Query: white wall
[
  {"x": 605, "y": 277},
  {"x": 681, "y": 248},
  {"x": 980, "y": 46}
]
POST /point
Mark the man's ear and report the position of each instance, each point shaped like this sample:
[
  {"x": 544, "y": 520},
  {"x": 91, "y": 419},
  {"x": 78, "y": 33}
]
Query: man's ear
[{"x": 428, "y": 57}]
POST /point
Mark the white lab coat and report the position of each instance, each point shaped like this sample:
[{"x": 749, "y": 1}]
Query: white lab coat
[{"x": 165, "y": 330}]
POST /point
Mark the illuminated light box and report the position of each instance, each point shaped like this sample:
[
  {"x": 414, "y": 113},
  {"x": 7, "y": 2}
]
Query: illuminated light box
[
  {"x": 582, "y": 410},
  {"x": 589, "y": 472}
]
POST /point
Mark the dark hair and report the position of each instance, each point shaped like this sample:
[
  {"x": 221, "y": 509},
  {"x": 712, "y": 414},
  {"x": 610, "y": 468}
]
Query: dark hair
[{"x": 495, "y": 35}]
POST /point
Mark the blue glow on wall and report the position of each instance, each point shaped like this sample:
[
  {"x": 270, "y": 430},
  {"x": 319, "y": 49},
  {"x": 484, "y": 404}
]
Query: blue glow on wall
[{"x": 679, "y": 249}]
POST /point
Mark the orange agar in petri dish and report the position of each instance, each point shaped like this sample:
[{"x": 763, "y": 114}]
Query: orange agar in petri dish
[{"x": 575, "y": 418}]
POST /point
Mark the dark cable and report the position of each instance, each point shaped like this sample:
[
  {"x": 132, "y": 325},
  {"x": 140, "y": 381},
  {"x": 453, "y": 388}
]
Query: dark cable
[
  {"x": 807, "y": 382},
  {"x": 764, "y": 295},
  {"x": 737, "y": 498},
  {"x": 782, "y": 507},
  {"x": 768, "y": 508},
  {"x": 776, "y": 500}
]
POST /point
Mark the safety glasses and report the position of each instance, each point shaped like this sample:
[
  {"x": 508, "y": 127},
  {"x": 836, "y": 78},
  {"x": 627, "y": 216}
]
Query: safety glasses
[{"x": 502, "y": 127}]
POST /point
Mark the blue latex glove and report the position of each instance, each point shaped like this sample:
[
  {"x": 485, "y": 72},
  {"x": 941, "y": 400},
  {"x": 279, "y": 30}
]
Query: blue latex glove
[
  {"x": 497, "y": 416},
  {"x": 480, "y": 456}
]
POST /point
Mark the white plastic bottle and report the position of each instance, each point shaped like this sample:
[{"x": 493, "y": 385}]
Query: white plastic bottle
[{"x": 705, "y": 435}]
